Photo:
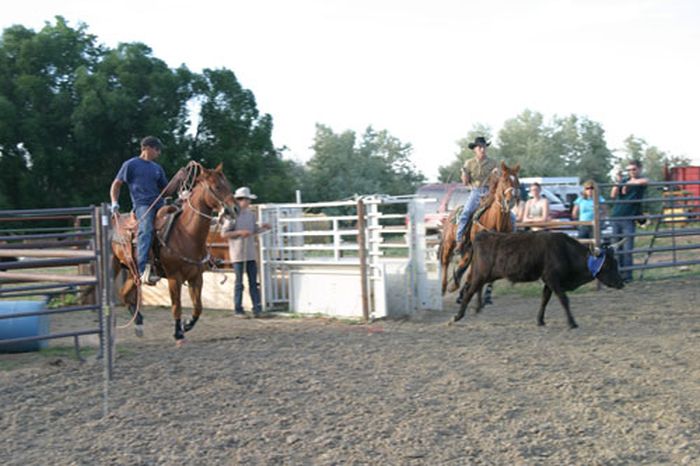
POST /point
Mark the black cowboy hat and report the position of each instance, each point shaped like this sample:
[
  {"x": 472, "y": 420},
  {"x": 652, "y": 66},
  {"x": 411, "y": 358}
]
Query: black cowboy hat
[{"x": 479, "y": 141}]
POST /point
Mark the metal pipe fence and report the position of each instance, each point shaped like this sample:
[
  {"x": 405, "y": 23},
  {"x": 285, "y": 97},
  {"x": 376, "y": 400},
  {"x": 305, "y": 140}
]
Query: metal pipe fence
[
  {"x": 83, "y": 254},
  {"x": 661, "y": 229}
]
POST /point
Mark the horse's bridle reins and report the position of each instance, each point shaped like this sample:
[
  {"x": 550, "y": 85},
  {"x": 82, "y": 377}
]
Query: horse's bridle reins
[
  {"x": 505, "y": 206},
  {"x": 222, "y": 204}
]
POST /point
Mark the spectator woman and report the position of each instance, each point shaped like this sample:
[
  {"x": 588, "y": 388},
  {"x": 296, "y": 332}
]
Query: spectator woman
[
  {"x": 537, "y": 207},
  {"x": 584, "y": 210}
]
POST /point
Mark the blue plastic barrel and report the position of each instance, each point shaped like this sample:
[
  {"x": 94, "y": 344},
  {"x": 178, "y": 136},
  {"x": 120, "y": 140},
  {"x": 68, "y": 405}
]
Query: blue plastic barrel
[{"x": 17, "y": 327}]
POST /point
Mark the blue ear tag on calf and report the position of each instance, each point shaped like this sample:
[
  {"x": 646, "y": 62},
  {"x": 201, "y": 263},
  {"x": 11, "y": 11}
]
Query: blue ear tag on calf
[{"x": 595, "y": 264}]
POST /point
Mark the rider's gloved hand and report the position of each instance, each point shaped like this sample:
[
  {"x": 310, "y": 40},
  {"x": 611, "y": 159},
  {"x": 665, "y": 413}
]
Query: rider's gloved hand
[{"x": 114, "y": 208}]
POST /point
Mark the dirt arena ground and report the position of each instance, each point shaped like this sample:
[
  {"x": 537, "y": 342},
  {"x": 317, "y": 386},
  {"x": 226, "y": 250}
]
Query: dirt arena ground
[{"x": 495, "y": 389}]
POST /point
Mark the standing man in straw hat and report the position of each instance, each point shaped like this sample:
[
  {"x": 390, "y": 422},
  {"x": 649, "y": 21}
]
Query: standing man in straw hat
[{"x": 241, "y": 246}]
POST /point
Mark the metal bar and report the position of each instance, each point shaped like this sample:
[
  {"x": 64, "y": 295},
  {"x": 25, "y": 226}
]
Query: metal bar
[
  {"x": 69, "y": 212},
  {"x": 663, "y": 233},
  {"x": 318, "y": 219},
  {"x": 48, "y": 235},
  {"x": 685, "y": 247},
  {"x": 45, "y": 263},
  {"x": 659, "y": 265},
  {"x": 40, "y": 245},
  {"x": 76, "y": 342},
  {"x": 45, "y": 277},
  {"x": 46, "y": 253},
  {"x": 649, "y": 200},
  {"x": 46, "y": 286},
  {"x": 50, "y": 336},
  {"x": 63, "y": 310},
  {"x": 682, "y": 216},
  {"x": 656, "y": 183},
  {"x": 310, "y": 205},
  {"x": 46, "y": 294}
]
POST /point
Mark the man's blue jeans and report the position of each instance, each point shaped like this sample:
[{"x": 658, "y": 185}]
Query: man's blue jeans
[
  {"x": 251, "y": 269},
  {"x": 471, "y": 204},
  {"x": 624, "y": 229},
  {"x": 145, "y": 235},
  {"x": 470, "y": 207}
]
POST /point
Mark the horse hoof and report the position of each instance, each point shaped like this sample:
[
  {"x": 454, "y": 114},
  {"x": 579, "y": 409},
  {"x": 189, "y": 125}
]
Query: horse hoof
[
  {"x": 180, "y": 343},
  {"x": 189, "y": 325},
  {"x": 138, "y": 330}
]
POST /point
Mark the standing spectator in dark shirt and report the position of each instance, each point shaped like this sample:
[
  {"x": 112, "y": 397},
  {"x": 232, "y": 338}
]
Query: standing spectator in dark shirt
[{"x": 627, "y": 188}]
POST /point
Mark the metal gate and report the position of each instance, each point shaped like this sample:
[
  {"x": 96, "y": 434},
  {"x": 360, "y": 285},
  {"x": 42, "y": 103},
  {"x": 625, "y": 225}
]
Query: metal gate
[{"x": 365, "y": 257}]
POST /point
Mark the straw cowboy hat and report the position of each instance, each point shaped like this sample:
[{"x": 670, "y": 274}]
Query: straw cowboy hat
[
  {"x": 244, "y": 193},
  {"x": 479, "y": 141}
]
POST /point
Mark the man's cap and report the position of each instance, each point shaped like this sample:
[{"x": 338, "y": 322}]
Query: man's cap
[
  {"x": 479, "y": 141},
  {"x": 152, "y": 141},
  {"x": 244, "y": 193}
]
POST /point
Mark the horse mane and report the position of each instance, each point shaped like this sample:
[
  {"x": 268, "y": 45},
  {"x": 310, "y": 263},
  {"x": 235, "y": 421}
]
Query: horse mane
[{"x": 493, "y": 178}]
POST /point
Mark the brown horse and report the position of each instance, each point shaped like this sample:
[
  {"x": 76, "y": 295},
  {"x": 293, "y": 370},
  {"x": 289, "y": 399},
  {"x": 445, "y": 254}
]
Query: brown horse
[
  {"x": 183, "y": 255},
  {"x": 504, "y": 190}
]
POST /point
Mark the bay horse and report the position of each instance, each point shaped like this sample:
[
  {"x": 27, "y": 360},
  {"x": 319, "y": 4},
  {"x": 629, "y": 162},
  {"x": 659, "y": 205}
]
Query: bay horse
[
  {"x": 183, "y": 254},
  {"x": 496, "y": 205}
]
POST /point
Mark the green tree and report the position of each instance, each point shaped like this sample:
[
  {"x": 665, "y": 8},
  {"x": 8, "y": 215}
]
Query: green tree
[
  {"x": 582, "y": 148},
  {"x": 341, "y": 167},
  {"x": 527, "y": 140},
  {"x": 72, "y": 111},
  {"x": 232, "y": 130}
]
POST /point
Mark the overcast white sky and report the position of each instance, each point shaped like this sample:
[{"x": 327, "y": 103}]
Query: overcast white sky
[{"x": 426, "y": 70}]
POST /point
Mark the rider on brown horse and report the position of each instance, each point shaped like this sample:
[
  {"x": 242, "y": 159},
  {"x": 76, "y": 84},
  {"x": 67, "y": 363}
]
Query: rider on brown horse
[
  {"x": 476, "y": 173},
  {"x": 146, "y": 180}
]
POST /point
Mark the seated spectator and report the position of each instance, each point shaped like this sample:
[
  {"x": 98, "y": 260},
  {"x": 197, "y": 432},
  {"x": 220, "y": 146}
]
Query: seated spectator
[{"x": 537, "y": 207}]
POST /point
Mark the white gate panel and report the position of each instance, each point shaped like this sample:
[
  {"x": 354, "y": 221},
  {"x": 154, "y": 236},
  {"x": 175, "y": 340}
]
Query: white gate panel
[{"x": 330, "y": 290}]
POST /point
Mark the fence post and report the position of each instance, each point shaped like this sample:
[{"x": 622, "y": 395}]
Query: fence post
[
  {"x": 362, "y": 253},
  {"x": 596, "y": 215}
]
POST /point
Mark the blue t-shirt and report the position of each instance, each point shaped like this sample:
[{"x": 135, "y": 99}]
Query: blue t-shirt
[
  {"x": 585, "y": 208},
  {"x": 145, "y": 179}
]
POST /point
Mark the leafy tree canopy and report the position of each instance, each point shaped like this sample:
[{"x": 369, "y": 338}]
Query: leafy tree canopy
[
  {"x": 72, "y": 111},
  {"x": 342, "y": 166}
]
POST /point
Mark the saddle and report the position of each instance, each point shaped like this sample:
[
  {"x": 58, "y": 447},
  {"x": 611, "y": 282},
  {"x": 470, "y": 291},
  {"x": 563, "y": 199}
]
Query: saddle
[
  {"x": 475, "y": 216},
  {"x": 126, "y": 226}
]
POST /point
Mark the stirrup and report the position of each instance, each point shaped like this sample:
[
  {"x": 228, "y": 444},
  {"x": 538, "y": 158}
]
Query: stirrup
[{"x": 148, "y": 277}]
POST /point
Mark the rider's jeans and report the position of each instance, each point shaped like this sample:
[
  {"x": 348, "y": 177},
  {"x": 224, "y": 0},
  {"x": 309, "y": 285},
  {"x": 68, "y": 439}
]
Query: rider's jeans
[
  {"x": 470, "y": 206},
  {"x": 145, "y": 235}
]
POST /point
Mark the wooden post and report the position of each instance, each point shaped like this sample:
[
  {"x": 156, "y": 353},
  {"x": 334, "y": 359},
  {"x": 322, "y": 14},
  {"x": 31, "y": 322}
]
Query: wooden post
[
  {"x": 596, "y": 223},
  {"x": 596, "y": 215},
  {"x": 362, "y": 252}
]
